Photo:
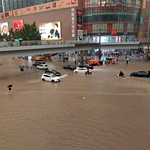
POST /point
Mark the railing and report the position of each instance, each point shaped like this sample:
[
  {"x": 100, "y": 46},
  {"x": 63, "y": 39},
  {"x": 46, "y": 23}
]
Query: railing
[{"x": 49, "y": 42}]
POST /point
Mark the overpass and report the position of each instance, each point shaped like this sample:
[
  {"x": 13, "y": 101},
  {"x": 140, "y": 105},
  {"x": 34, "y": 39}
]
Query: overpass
[{"x": 45, "y": 48}]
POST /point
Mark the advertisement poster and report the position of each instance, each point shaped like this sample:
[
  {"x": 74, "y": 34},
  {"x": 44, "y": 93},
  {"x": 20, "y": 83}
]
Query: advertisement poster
[
  {"x": 4, "y": 29},
  {"x": 18, "y": 25},
  {"x": 50, "y": 31}
]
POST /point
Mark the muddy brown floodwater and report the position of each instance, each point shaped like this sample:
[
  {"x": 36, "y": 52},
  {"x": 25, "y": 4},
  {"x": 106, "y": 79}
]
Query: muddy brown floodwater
[{"x": 38, "y": 115}]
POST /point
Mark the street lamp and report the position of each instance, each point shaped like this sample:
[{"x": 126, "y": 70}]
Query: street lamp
[
  {"x": 147, "y": 54},
  {"x": 99, "y": 34}
]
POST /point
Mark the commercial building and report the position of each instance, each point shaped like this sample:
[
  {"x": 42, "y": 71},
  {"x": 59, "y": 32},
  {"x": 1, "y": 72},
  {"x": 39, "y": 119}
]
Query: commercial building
[{"x": 113, "y": 20}]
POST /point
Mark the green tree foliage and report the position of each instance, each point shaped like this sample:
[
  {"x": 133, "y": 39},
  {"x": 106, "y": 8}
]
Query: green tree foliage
[{"x": 27, "y": 33}]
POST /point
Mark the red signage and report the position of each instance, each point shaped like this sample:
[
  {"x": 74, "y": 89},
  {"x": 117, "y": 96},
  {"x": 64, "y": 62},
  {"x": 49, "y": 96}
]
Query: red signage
[
  {"x": 113, "y": 32},
  {"x": 48, "y": 6},
  {"x": 34, "y": 8},
  {"x": 53, "y": 5},
  {"x": 73, "y": 1},
  {"x": 79, "y": 13},
  {"x": 18, "y": 25},
  {"x": 79, "y": 26}
]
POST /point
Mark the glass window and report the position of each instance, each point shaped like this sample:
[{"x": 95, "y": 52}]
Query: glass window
[
  {"x": 25, "y": 3},
  {"x": 6, "y": 5},
  {"x": 20, "y": 3},
  {"x": 130, "y": 27},
  {"x": 118, "y": 26},
  {"x": 1, "y": 9}
]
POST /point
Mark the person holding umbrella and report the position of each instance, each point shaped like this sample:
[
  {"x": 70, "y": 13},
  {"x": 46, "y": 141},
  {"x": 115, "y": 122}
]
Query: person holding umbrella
[{"x": 9, "y": 88}]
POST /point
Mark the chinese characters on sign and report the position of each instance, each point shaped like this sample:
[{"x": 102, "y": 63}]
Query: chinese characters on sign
[
  {"x": 79, "y": 19},
  {"x": 72, "y": 22}
]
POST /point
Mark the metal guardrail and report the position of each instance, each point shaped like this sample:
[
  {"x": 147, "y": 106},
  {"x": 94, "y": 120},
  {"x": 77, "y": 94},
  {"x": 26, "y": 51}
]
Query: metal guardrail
[{"x": 49, "y": 42}]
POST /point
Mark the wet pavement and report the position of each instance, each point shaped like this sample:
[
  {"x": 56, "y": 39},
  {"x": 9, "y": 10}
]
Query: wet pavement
[{"x": 82, "y": 112}]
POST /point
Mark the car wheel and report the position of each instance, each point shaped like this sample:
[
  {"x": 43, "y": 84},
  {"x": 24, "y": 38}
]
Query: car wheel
[
  {"x": 76, "y": 71},
  {"x": 52, "y": 81},
  {"x": 43, "y": 79}
]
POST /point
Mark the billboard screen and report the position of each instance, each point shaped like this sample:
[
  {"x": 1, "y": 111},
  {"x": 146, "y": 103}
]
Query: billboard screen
[
  {"x": 18, "y": 25},
  {"x": 4, "y": 29},
  {"x": 50, "y": 31}
]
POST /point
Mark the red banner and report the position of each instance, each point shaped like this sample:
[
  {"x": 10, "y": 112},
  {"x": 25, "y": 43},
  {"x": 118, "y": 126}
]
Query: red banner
[
  {"x": 73, "y": 1},
  {"x": 113, "y": 32},
  {"x": 79, "y": 13},
  {"x": 79, "y": 26}
]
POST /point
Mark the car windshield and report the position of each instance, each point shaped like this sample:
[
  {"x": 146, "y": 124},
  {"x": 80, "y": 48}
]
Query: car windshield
[
  {"x": 53, "y": 76},
  {"x": 72, "y": 66},
  {"x": 54, "y": 71}
]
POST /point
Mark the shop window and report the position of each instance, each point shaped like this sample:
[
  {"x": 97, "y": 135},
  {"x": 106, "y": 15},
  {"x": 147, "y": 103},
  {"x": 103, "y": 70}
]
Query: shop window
[
  {"x": 138, "y": 3},
  {"x": 118, "y": 26},
  {"x": 100, "y": 28},
  {"x": 108, "y": 2},
  {"x": 130, "y": 27},
  {"x": 127, "y": 2}
]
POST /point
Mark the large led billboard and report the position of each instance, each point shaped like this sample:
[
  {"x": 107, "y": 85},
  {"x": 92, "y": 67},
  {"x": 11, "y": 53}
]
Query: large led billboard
[
  {"x": 4, "y": 29},
  {"x": 18, "y": 25},
  {"x": 50, "y": 31}
]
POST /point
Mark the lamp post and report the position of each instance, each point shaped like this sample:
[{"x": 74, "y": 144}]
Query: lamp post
[
  {"x": 99, "y": 34},
  {"x": 147, "y": 54}
]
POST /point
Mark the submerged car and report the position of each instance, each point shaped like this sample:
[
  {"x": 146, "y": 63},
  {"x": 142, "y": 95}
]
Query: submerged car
[
  {"x": 83, "y": 70},
  {"x": 56, "y": 73},
  {"x": 38, "y": 63},
  {"x": 70, "y": 67},
  {"x": 42, "y": 66},
  {"x": 88, "y": 66},
  {"x": 50, "y": 78},
  {"x": 141, "y": 74}
]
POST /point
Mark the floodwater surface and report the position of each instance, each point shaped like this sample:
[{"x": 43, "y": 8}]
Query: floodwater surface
[{"x": 82, "y": 112}]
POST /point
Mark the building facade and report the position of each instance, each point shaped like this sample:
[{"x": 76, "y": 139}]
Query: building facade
[
  {"x": 112, "y": 20},
  {"x": 65, "y": 15},
  {"x": 118, "y": 16},
  {"x": 8, "y": 5}
]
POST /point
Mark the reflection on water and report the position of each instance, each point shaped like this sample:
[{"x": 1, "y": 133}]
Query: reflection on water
[{"x": 42, "y": 115}]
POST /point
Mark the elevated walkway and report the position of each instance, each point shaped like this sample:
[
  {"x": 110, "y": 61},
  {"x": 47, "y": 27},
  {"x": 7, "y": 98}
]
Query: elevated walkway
[{"x": 31, "y": 48}]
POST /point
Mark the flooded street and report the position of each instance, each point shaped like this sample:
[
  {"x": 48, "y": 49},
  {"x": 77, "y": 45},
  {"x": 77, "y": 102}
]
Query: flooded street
[{"x": 38, "y": 115}]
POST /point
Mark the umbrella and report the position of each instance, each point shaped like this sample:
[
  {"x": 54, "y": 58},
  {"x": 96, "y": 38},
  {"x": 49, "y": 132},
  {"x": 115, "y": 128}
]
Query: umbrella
[{"x": 10, "y": 85}]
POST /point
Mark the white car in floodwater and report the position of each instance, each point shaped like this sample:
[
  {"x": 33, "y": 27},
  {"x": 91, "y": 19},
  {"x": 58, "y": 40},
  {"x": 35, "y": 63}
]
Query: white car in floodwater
[
  {"x": 82, "y": 70},
  {"x": 42, "y": 66},
  {"x": 50, "y": 78}
]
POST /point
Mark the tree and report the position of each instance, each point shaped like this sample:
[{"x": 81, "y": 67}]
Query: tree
[{"x": 28, "y": 32}]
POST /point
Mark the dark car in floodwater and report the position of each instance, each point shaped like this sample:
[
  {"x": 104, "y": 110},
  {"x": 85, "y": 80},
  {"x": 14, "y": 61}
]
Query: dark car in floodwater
[
  {"x": 141, "y": 74},
  {"x": 38, "y": 63},
  {"x": 56, "y": 73},
  {"x": 70, "y": 67},
  {"x": 88, "y": 66}
]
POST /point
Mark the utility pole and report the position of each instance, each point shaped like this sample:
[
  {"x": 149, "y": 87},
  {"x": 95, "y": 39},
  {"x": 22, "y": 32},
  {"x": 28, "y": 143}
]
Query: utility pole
[
  {"x": 147, "y": 54},
  {"x": 3, "y": 7}
]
